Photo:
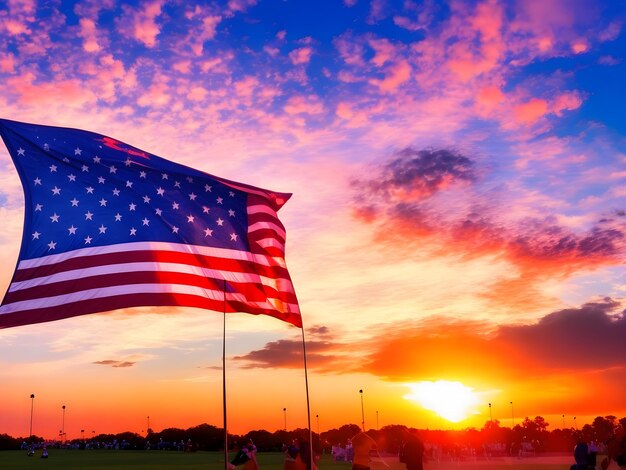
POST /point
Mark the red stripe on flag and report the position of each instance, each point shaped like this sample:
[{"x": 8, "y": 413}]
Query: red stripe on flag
[{"x": 74, "y": 309}]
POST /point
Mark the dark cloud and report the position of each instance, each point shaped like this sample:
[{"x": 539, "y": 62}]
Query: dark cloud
[
  {"x": 113, "y": 363},
  {"x": 592, "y": 336},
  {"x": 413, "y": 175},
  {"x": 323, "y": 354},
  {"x": 545, "y": 239}
]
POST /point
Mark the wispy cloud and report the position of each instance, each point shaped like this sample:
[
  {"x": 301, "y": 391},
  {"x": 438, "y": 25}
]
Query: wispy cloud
[{"x": 113, "y": 363}]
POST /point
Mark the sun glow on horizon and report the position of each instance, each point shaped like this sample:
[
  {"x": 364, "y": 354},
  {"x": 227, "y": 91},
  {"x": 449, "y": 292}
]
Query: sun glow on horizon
[{"x": 450, "y": 400}]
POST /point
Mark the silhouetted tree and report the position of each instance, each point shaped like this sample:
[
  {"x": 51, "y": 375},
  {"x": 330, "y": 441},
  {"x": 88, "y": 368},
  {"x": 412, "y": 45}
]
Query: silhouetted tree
[{"x": 603, "y": 428}]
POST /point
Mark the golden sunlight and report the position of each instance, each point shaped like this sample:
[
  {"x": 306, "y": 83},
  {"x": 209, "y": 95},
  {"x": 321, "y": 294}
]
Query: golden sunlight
[{"x": 450, "y": 400}]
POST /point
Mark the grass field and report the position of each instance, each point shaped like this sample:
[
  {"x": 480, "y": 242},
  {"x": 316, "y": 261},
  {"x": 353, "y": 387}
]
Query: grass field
[{"x": 157, "y": 460}]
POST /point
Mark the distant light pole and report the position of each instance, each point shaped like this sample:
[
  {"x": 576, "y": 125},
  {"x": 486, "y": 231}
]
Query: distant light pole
[
  {"x": 575, "y": 425},
  {"x": 490, "y": 418},
  {"x": 512, "y": 420},
  {"x": 362, "y": 411},
  {"x": 376, "y": 420},
  {"x": 63, "y": 426},
  {"x": 148, "y": 428},
  {"x": 317, "y": 417},
  {"x": 285, "y": 416},
  {"x": 32, "y": 406},
  {"x": 82, "y": 432},
  {"x": 563, "y": 416}
]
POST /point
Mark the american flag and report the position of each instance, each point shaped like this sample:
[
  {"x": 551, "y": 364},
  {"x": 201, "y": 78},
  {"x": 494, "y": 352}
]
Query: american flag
[{"x": 109, "y": 226}]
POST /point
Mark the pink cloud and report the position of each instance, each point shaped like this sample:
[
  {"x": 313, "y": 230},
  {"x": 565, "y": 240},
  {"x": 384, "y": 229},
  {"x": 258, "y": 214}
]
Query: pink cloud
[
  {"x": 158, "y": 94},
  {"x": 143, "y": 26},
  {"x": 488, "y": 99},
  {"x": 116, "y": 67},
  {"x": 531, "y": 111},
  {"x": 216, "y": 64},
  {"x": 377, "y": 11},
  {"x": 183, "y": 66},
  {"x": 14, "y": 27},
  {"x": 7, "y": 63},
  {"x": 566, "y": 102},
  {"x": 396, "y": 75},
  {"x": 251, "y": 90},
  {"x": 271, "y": 51},
  {"x": 304, "y": 105},
  {"x": 205, "y": 21},
  {"x": 608, "y": 60},
  {"x": 15, "y": 19},
  {"x": 301, "y": 55},
  {"x": 384, "y": 50},
  {"x": 245, "y": 87},
  {"x": 207, "y": 32},
  {"x": 349, "y": 77},
  {"x": 579, "y": 46},
  {"x": 350, "y": 49},
  {"x": 351, "y": 117},
  {"x": 69, "y": 92},
  {"x": 488, "y": 20},
  {"x": 88, "y": 31},
  {"x": 240, "y": 5},
  {"x": 611, "y": 32},
  {"x": 197, "y": 93}
]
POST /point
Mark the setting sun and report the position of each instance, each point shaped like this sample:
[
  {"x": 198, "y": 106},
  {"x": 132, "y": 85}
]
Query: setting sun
[{"x": 450, "y": 400}]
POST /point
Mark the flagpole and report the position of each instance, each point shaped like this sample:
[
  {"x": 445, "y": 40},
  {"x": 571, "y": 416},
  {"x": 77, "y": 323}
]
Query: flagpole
[
  {"x": 224, "y": 383},
  {"x": 308, "y": 406}
]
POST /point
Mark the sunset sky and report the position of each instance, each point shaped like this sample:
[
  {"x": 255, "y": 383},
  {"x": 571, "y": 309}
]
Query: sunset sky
[{"x": 458, "y": 213}]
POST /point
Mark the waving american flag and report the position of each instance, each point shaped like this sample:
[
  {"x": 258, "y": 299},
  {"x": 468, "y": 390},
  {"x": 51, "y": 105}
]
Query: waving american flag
[{"x": 109, "y": 226}]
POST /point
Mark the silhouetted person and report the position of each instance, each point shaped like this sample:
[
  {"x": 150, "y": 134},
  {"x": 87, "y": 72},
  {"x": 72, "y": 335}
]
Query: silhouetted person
[
  {"x": 581, "y": 457},
  {"x": 303, "y": 458},
  {"x": 362, "y": 444},
  {"x": 412, "y": 451}
]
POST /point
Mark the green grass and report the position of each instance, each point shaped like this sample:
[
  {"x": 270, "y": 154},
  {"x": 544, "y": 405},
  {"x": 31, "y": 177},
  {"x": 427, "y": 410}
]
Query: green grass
[
  {"x": 138, "y": 460},
  {"x": 156, "y": 460}
]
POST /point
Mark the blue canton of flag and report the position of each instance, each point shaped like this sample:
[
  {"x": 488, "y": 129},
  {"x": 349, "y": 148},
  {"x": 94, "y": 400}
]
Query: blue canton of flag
[{"x": 110, "y": 226}]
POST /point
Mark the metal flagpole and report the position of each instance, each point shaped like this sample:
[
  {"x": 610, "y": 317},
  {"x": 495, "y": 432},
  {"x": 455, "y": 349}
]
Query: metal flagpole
[
  {"x": 224, "y": 383},
  {"x": 308, "y": 406}
]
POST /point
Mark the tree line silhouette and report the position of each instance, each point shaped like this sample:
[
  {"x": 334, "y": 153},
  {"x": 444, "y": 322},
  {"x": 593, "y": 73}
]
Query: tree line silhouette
[{"x": 389, "y": 438}]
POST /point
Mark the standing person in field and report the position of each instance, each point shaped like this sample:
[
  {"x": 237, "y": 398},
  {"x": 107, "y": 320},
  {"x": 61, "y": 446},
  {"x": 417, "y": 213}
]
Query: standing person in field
[
  {"x": 246, "y": 456},
  {"x": 291, "y": 453},
  {"x": 412, "y": 451},
  {"x": 362, "y": 444},
  {"x": 304, "y": 459}
]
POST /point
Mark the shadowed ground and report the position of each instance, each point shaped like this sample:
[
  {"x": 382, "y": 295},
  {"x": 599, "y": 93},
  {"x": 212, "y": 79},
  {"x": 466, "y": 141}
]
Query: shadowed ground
[{"x": 156, "y": 460}]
